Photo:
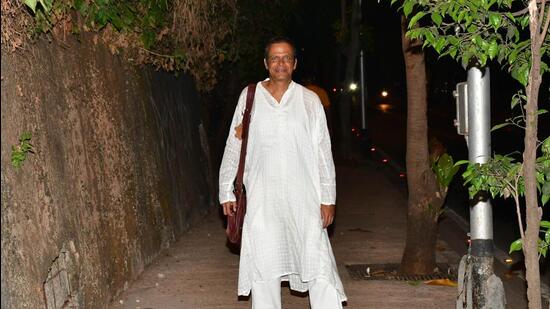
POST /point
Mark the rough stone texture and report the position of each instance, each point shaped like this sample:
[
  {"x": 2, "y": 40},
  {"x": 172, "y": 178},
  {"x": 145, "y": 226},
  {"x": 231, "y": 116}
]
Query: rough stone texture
[{"x": 120, "y": 170}]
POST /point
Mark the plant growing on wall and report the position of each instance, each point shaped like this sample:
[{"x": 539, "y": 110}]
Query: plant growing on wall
[
  {"x": 187, "y": 36},
  {"x": 20, "y": 151}
]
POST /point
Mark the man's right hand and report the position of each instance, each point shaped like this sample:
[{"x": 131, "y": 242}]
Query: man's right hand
[{"x": 229, "y": 208}]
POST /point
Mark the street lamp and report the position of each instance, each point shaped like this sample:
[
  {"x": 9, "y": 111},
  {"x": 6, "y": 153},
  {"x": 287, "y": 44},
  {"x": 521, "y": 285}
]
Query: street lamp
[
  {"x": 353, "y": 86},
  {"x": 384, "y": 93}
]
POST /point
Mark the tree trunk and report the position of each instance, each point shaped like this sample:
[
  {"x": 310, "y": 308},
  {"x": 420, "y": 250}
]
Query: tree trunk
[
  {"x": 345, "y": 100},
  {"x": 533, "y": 211},
  {"x": 424, "y": 197}
]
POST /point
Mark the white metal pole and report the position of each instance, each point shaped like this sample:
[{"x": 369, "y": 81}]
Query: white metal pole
[
  {"x": 479, "y": 146},
  {"x": 481, "y": 215}
]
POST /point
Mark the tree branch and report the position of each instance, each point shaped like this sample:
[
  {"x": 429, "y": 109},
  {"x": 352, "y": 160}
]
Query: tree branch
[
  {"x": 525, "y": 10},
  {"x": 156, "y": 54},
  {"x": 516, "y": 200},
  {"x": 545, "y": 27},
  {"x": 541, "y": 12}
]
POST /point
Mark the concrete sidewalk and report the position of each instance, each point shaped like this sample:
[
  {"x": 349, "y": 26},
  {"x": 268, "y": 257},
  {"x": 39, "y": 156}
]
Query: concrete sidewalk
[{"x": 200, "y": 272}]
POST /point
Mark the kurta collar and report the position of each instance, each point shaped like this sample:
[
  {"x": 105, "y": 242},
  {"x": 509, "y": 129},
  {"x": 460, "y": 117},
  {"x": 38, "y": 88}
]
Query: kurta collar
[{"x": 286, "y": 96}]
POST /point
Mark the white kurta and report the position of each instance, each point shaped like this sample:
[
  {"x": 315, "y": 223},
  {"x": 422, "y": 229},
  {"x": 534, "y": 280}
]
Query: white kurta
[{"x": 289, "y": 173}]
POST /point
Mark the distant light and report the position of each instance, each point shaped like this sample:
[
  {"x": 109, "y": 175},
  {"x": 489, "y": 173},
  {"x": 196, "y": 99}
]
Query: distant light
[
  {"x": 333, "y": 89},
  {"x": 353, "y": 86},
  {"x": 509, "y": 261},
  {"x": 385, "y": 160},
  {"x": 373, "y": 149},
  {"x": 402, "y": 175},
  {"x": 384, "y": 93},
  {"x": 353, "y": 129},
  {"x": 384, "y": 107}
]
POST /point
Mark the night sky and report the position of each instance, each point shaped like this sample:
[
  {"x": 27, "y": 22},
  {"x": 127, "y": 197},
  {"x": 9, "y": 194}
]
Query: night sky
[{"x": 312, "y": 28}]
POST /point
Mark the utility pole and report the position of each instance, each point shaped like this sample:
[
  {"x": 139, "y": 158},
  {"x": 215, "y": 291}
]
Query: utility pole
[
  {"x": 481, "y": 288},
  {"x": 365, "y": 141},
  {"x": 363, "y": 94}
]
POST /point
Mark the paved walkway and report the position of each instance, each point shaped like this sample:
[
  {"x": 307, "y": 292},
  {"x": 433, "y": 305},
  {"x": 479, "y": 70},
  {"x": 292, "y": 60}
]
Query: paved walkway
[{"x": 200, "y": 272}]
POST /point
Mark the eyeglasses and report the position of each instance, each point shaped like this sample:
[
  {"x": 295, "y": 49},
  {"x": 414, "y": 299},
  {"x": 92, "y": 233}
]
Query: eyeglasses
[{"x": 284, "y": 59}]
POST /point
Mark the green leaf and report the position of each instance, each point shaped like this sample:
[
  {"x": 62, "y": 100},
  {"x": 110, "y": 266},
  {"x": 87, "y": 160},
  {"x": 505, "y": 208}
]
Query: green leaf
[
  {"x": 524, "y": 21},
  {"x": 469, "y": 18},
  {"x": 414, "y": 33},
  {"x": 492, "y": 50},
  {"x": 445, "y": 170},
  {"x": 515, "y": 100},
  {"x": 546, "y": 146},
  {"x": 25, "y": 136},
  {"x": 545, "y": 199},
  {"x": 461, "y": 162},
  {"x": 416, "y": 18},
  {"x": 148, "y": 38},
  {"x": 117, "y": 23},
  {"x": 31, "y": 4},
  {"x": 511, "y": 61},
  {"x": 482, "y": 59},
  {"x": 500, "y": 125},
  {"x": 408, "y": 7},
  {"x": 46, "y": 4},
  {"x": 461, "y": 16},
  {"x": 545, "y": 224},
  {"x": 495, "y": 20},
  {"x": 440, "y": 44},
  {"x": 452, "y": 51},
  {"x": 542, "y": 111},
  {"x": 515, "y": 246},
  {"x": 521, "y": 73},
  {"x": 101, "y": 18},
  {"x": 436, "y": 18},
  {"x": 493, "y": 191}
]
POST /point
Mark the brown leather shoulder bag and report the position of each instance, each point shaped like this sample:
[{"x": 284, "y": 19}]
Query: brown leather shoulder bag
[{"x": 235, "y": 222}]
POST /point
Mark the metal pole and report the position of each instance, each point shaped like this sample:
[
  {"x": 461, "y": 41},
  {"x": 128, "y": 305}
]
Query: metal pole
[
  {"x": 481, "y": 216},
  {"x": 363, "y": 91},
  {"x": 479, "y": 145},
  {"x": 478, "y": 286}
]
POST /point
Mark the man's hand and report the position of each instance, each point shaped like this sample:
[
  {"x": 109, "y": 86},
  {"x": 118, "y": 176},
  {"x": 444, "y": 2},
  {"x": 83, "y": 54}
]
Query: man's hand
[
  {"x": 229, "y": 208},
  {"x": 327, "y": 214}
]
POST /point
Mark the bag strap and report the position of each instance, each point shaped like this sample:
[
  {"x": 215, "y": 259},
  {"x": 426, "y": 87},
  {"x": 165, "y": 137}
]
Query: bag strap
[{"x": 246, "y": 123}]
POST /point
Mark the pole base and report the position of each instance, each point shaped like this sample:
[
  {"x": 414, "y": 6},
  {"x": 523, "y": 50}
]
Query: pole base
[{"x": 478, "y": 286}]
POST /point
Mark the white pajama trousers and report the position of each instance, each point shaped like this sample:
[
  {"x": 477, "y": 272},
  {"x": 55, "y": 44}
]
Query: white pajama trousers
[{"x": 267, "y": 295}]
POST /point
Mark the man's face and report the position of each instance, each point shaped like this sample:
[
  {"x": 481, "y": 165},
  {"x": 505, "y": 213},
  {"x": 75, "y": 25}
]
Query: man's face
[{"x": 280, "y": 62}]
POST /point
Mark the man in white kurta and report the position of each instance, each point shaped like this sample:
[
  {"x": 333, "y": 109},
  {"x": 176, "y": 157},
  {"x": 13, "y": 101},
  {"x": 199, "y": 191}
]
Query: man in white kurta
[{"x": 289, "y": 174}]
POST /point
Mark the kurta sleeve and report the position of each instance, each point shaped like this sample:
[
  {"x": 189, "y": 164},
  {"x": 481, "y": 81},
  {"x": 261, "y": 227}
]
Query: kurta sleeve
[
  {"x": 326, "y": 163},
  {"x": 231, "y": 154}
]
